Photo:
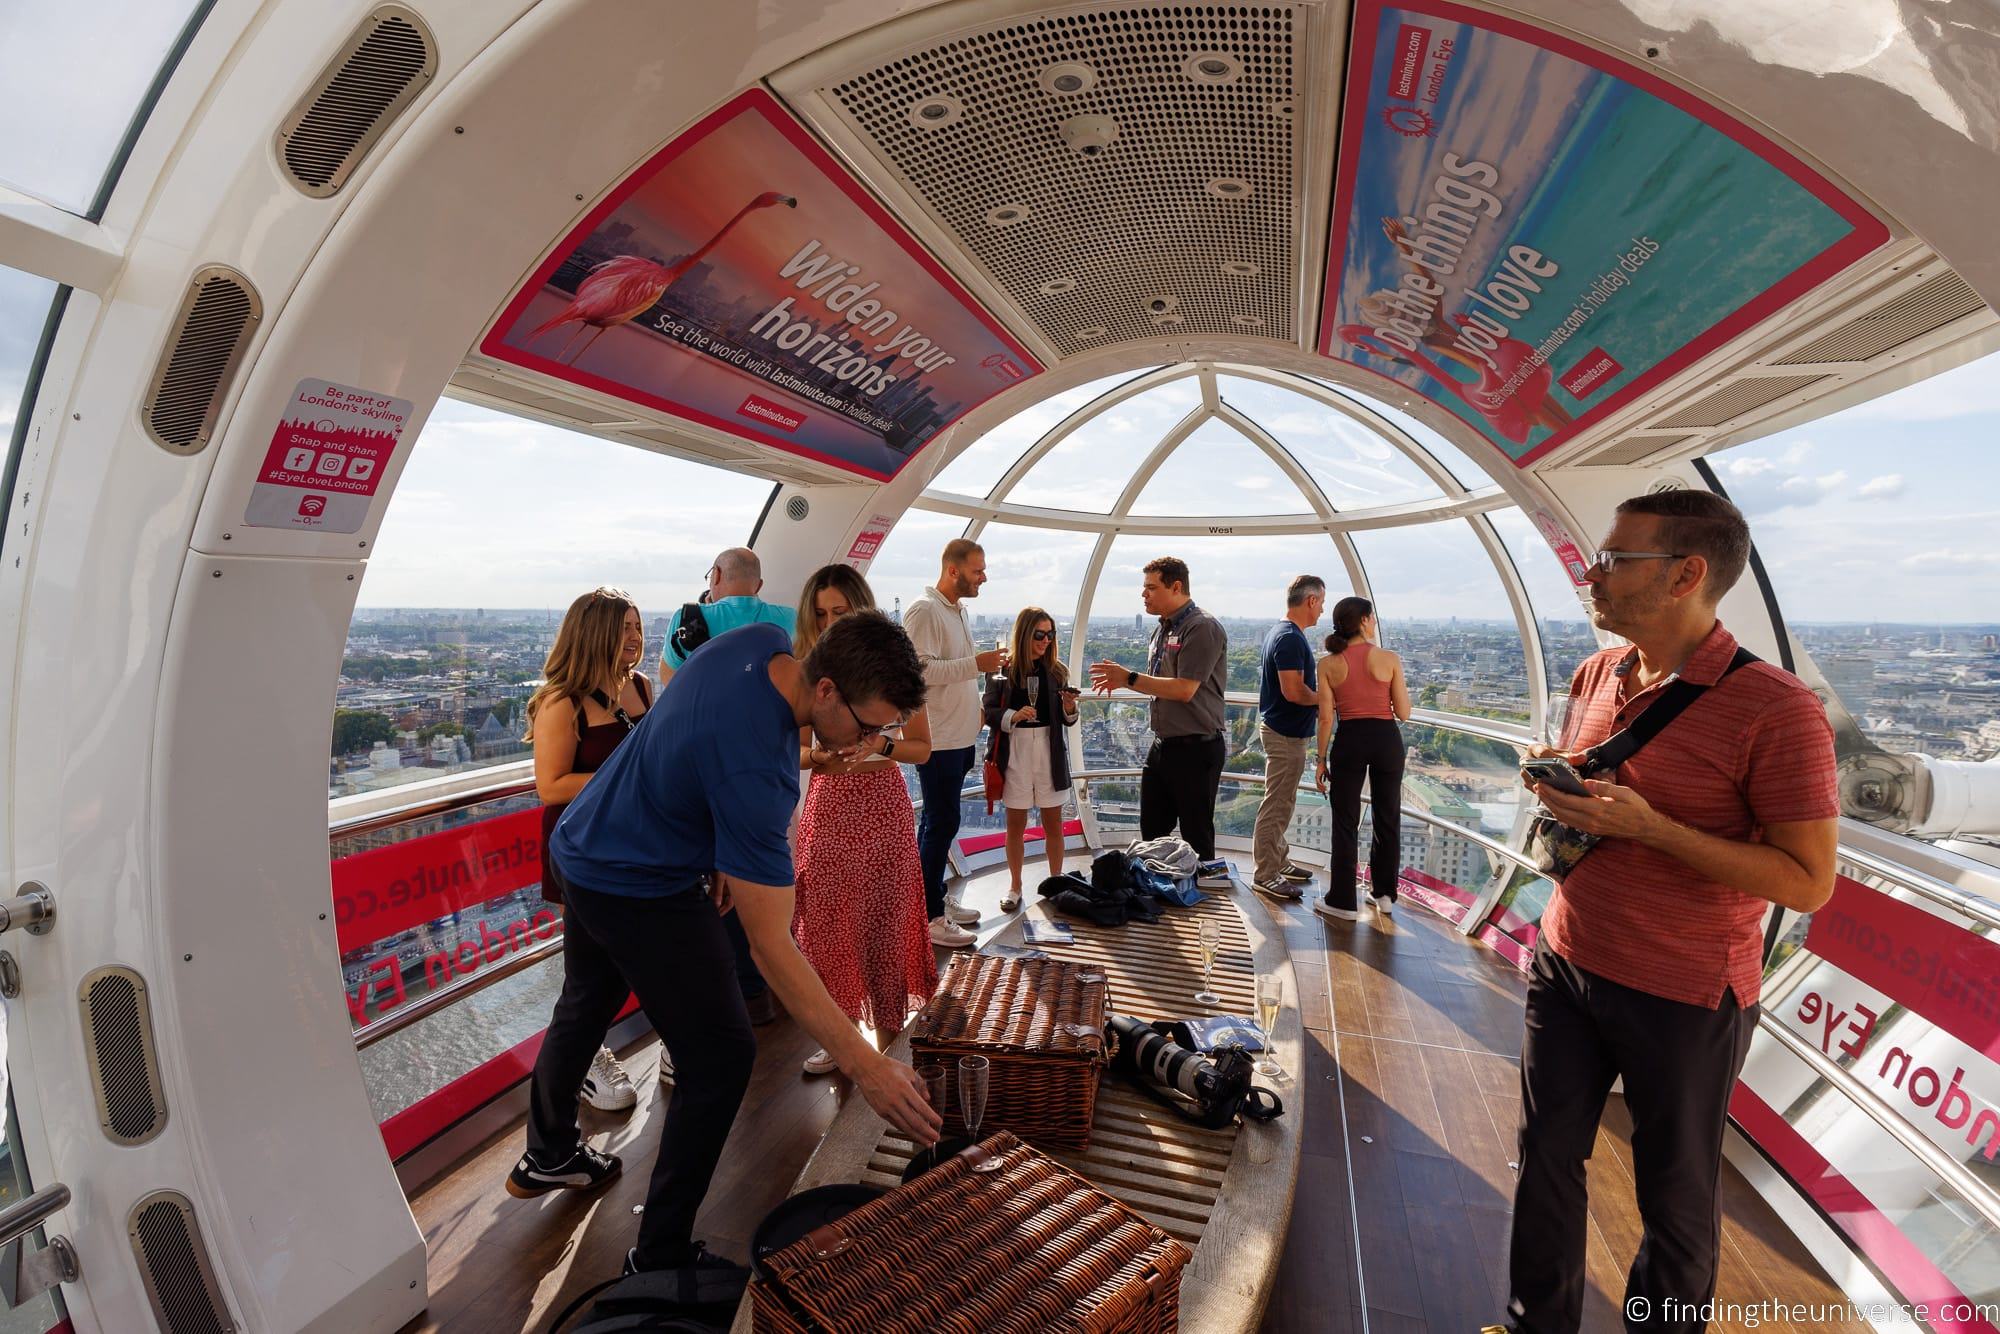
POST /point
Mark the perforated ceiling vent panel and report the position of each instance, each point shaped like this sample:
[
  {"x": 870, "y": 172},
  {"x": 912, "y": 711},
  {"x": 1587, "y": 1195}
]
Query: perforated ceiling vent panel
[
  {"x": 1734, "y": 400},
  {"x": 1931, "y": 304},
  {"x": 1182, "y": 221},
  {"x": 1635, "y": 450}
]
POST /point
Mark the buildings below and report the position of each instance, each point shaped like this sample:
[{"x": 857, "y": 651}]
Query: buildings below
[{"x": 424, "y": 692}]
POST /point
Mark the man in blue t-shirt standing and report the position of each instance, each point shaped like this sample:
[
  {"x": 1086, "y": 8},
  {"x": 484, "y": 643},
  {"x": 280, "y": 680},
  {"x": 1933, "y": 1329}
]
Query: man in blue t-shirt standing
[
  {"x": 685, "y": 822},
  {"x": 1288, "y": 699},
  {"x": 734, "y": 581}
]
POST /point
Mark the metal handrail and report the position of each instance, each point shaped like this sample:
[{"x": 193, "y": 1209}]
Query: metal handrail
[
  {"x": 34, "y": 910},
  {"x": 1926, "y": 887},
  {"x": 20, "y": 1218},
  {"x": 1947, "y": 1168},
  {"x": 430, "y": 806}
]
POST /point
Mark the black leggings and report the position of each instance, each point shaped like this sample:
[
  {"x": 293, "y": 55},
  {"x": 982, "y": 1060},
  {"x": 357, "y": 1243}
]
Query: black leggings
[
  {"x": 675, "y": 953},
  {"x": 1371, "y": 749}
]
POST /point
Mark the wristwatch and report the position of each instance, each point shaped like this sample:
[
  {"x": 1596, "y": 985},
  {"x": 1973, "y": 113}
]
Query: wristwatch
[{"x": 1131, "y": 679}]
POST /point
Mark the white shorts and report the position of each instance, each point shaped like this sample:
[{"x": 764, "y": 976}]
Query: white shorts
[{"x": 1028, "y": 787}]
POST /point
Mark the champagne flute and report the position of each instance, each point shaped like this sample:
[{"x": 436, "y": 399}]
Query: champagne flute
[
  {"x": 934, "y": 1085},
  {"x": 1556, "y": 721},
  {"x": 972, "y": 1075},
  {"x": 1211, "y": 941},
  {"x": 1270, "y": 996},
  {"x": 1033, "y": 685}
]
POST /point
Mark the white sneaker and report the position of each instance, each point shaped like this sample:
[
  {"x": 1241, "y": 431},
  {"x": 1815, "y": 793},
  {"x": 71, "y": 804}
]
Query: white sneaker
[
  {"x": 1326, "y": 909},
  {"x": 607, "y": 1087},
  {"x": 961, "y": 914},
  {"x": 1383, "y": 904},
  {"x": 819, "y": 1063},
  {"x": 1010, "y": 901},
  {"x": 949, "y": 934}
]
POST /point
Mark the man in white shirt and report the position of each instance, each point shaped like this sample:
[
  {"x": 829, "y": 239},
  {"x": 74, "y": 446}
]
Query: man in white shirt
[{"x": 938, "y": 626}]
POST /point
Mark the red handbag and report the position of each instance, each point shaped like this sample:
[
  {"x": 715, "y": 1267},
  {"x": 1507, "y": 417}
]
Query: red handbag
[{"x": 996, "y": 781}]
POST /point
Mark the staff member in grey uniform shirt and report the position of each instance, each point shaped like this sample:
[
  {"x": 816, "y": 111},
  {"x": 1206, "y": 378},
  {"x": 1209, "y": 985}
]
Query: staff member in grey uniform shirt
[{"x": 1185, "y": 666}]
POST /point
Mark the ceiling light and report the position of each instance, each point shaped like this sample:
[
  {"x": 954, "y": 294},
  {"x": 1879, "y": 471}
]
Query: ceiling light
[
  {"x": 1057, "y": 286},
  {"x": 1247, "y": 321},
  {"x": 1169, "y": 319},
  {"x": 1094, "y": 331},
  {"x": 1229, "y": 187},
  {"x": 1161, "y": 304},
  {"x": 1217, "y": 67},
  {"x": 1240, "y": 268},
  {"x": 934, "y": 113},
  {"x": 1006, "y": 215},
  {"x": 1067, "y": 79}
]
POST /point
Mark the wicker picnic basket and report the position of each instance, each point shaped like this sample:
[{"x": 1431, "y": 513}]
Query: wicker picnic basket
[
  {"x": 998, "y": 1240},
  {"x": 1041, "y": 1024}
]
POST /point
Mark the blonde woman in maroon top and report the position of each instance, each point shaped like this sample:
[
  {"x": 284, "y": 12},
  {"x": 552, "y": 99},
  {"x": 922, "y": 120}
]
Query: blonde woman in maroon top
[
  {"x": 1361, "y": 688},
  {"x": 591, "y": 695}
]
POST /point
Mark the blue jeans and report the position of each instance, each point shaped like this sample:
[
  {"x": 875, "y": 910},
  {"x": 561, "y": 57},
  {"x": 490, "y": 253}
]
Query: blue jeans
[{"x": 941, "y": 777}]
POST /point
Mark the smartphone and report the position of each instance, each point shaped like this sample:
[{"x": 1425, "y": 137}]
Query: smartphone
[{"x": 1556, "y": 773}]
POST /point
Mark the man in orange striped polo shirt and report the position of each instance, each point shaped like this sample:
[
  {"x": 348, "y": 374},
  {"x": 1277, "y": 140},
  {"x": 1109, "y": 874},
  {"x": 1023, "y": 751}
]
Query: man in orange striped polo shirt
[{"x": 1651, "y": 951}]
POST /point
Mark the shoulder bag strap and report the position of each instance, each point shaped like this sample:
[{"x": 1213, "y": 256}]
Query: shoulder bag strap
[
  {"x": 1607, "y": 755},
  {"x": 625, "y": 719}
]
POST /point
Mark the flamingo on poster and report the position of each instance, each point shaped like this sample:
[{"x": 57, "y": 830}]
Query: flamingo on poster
[
  {"x": 625, "y": 286},
  {"x": 1513, "y": 416}
]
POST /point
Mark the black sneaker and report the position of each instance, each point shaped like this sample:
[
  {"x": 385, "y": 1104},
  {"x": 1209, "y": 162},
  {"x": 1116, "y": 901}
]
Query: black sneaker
[
  {"x": 704, "y": 1263},
  {"x": 1296, "y": 873},
  {"x": 586, "y": 1169}
]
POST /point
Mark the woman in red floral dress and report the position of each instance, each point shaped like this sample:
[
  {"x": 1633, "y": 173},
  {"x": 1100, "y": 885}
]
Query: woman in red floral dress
[{"x": 860, "y": 919}]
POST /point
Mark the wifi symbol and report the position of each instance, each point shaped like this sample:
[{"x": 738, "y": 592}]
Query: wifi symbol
[{"x": 313, "y": 506}]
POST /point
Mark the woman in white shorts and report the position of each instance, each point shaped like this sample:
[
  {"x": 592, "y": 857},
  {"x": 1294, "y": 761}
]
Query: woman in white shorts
[{"x": 1022, "y": 704}]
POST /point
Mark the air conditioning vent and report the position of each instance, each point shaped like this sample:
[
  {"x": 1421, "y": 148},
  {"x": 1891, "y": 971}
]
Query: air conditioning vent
[
  {"x": 180, "y": 1277},
  {"x": 1635, "y": 450},
  {"x": 1929, "y": 305},
  {"x": 1143, "y": 216},
  {"x": 118, "y": 1043},
  {"x": 378, "y": 72},
  {"x": 1733, "y": 400},
  {"x": 217, "y": 317}
]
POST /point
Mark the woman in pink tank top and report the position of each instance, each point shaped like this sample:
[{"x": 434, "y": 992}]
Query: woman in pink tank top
[{"x": 1361, "y": 689}]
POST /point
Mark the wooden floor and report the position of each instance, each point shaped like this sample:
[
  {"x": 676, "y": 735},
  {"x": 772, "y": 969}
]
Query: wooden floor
[{"x": 1412, "y": 1049}]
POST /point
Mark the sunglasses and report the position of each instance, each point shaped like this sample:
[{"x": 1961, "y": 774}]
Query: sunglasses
[{"x": 1039, "y": 635}]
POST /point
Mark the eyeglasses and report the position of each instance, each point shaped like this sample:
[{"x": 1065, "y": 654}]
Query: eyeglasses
[
  {"x": 1039, "y": 635},
  {"x": 1607, "y": 561},
  {"x": 868, "y": 729}
]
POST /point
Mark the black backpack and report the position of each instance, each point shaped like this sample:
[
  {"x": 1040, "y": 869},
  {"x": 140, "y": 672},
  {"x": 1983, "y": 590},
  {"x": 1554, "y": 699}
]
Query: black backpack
[
  {"x": 658, "y": 1301},
  {"x": 692, "y": 632}
]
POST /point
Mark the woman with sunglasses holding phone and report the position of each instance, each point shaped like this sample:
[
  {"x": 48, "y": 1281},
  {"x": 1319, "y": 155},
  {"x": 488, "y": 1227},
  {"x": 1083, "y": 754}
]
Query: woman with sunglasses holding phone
[
  {"x": 860, "y": 919},
  {"x": 1022, "y": 706},
  {"x": 591, "y": 695}
]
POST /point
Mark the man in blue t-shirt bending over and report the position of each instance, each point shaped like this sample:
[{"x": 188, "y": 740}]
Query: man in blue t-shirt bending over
[{"x": 685, "y": 822}]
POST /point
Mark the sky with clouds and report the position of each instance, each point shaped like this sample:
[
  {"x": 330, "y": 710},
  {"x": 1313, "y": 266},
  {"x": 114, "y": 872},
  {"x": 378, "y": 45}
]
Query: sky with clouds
[
  {"x": 1875, "y": 514},
  {"x": 1880, "y": 513}
]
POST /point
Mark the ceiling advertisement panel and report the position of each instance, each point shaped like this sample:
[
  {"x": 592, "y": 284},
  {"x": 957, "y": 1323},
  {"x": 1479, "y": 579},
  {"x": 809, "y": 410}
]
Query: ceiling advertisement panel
[
  {"x": 1530, "y": 233},
  {"x": 742, "y": 280}
]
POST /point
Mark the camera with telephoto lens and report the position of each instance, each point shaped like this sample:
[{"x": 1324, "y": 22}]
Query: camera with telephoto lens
[{"x": 1218, "y": 1085}]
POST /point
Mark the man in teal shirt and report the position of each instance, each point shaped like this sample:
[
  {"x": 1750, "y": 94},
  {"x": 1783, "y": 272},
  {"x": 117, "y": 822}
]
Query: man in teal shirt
[{"x": 733, "y": 583}]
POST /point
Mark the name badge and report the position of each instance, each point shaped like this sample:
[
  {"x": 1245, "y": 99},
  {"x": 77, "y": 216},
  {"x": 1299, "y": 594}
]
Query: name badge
[{"x": 1173, "y": 641}]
